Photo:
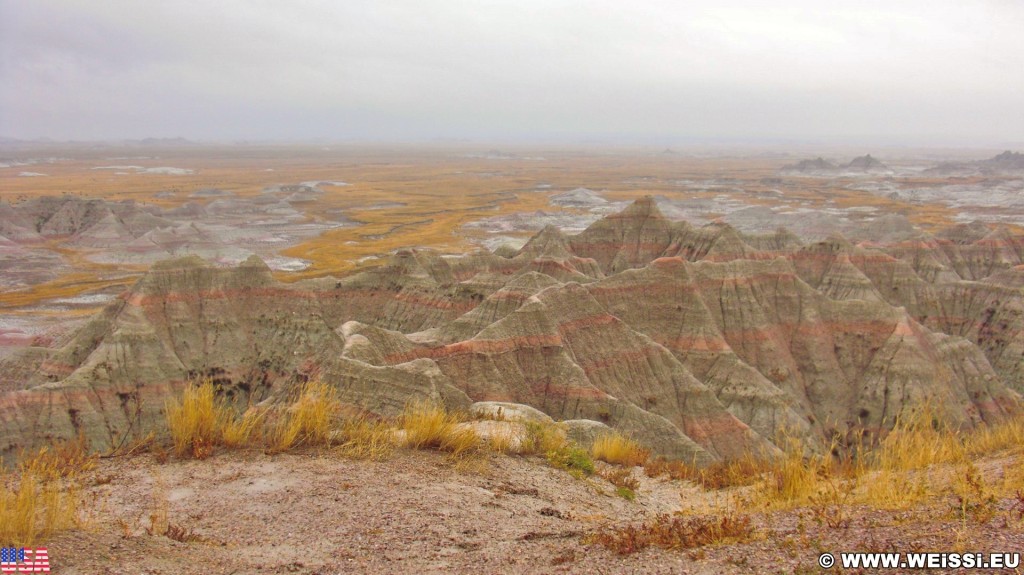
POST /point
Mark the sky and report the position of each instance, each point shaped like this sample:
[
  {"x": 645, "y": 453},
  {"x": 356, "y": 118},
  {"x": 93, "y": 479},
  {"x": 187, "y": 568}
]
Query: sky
[{"x": 902, "y": 71}]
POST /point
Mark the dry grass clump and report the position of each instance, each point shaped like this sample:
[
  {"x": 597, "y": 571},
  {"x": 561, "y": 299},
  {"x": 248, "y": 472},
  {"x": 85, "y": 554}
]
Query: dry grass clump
[
  {"x": 918, "y": 441},
  {"x": 430, "y": 426},
  {"x": 1004, "y": 436},
  {"x": 197, "y": 421},
  {"x": 676, "y": 532},
  {"x": 542, "y": 438},
  {"x": 200, "y": 421},
  {"x": 618, "y": 449},
  {"x": 62, "y": 458},
  {"x": 795, "y": 479},
  {"x": 43, "y": 496},
  {"x": 746, "y": 470},
  {"x": 309, "y": 420},
  {"x": 364, "y": 438},
  {"x": 238, "y": 432},
  {"x": 505, "y": 441}
]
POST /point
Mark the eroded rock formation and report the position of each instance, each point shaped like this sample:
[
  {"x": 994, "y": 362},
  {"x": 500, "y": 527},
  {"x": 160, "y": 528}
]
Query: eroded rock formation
[{"x": 704, "y": 343}]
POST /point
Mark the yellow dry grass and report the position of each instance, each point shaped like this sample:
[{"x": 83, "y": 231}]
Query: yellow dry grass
[
  {"x": 361, "y": 437},
  {"x": 429, "y": 426},
  {"x": 197, "y": 421},
  {"x": 200, "y": 421},
  {"x": 542, "y": 439},
  {"x": 241, "y": 431},
  {"x": 43, "y": 496},
  {"x": 310, "y": 420},
  {"x": 618, "y": 449},
  {"x": 506, "y": 441}
]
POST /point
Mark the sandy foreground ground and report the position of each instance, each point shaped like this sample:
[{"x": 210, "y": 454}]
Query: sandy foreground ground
[{"x": 416, "y": 512}]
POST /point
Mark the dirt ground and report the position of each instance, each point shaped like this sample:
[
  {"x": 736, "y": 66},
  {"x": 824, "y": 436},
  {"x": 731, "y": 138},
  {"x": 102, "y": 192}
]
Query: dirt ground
[{"x": 416, "y": 512}]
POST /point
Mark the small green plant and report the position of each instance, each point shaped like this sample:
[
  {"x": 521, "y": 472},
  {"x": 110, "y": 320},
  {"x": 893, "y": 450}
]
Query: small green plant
[
  {"x": 625, "y": 484},
  {"x": 625, "y": 493},
  {"x": 573, "y": 459}
]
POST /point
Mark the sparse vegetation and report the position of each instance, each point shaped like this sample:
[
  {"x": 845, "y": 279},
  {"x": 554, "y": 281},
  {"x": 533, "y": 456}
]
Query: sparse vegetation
[
  {"x": 200, "y": 421},
  {"x": 622, "y": 478},
  {"x": 573, "y": 459},
  {"x": 975, "y": 502},
  {"x": 743, "y": 471},
  {"x": 676, "y": 532}
]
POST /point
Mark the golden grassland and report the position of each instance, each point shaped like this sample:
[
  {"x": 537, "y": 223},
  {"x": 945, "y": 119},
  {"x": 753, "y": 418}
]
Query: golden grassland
[{"x": 404, "y": 196}]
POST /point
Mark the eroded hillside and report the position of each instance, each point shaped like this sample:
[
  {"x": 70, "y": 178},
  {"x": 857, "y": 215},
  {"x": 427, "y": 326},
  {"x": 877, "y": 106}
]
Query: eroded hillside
[{"x": 703, "y": 342}]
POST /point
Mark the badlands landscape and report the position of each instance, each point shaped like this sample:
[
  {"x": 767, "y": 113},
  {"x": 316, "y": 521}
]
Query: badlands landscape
[{"x": 656, "y": 360}]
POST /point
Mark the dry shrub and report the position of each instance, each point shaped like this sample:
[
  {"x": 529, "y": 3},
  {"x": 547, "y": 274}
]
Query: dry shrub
[
  {"x": 430, "y": 426},
  {"x": 676, "y": 532},
  {"x": 620, "y": 477},
  {"x": 182, "y": 534},
  {"x": 618, "y": 449},
  {"x": 975, "y": 501}
]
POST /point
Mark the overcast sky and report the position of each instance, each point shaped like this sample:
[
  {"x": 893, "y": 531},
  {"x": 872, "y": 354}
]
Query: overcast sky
[{"x": 928, "y": 71}]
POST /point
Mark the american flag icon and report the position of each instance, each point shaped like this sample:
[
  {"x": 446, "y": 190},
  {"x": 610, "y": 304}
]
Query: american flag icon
[{"x": 23, "y": 560}]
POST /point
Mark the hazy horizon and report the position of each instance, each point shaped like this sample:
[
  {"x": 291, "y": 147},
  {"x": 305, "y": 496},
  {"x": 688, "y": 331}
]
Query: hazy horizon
[{"x": 733, "y": 71}]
